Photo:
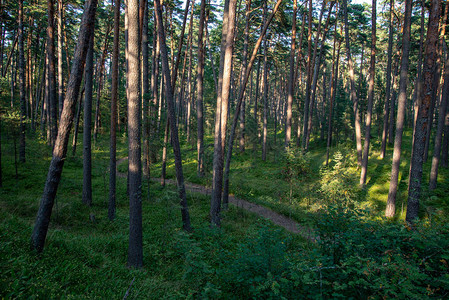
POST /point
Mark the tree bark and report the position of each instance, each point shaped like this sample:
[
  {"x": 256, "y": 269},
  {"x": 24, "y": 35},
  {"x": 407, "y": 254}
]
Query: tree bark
[
  {"x": 291, "y": 80},
  {"x": 60, "y": 70},
  {"x": 422, "y": 122},
  {"x": 265, "y": 91},
  {"x": 87, "y": 126},
  {"x": 388, "y": 82},
  {"x": 369, "y": 111},
  {"x": 391, "y": 201},
  {"x": 171, "y": 114},
  {"x": 60, "y": 149},
  {"x": 199, "y": 100},
  {"x": 354, "y": 99},
  {"x": 224, "y": 80},
  {"x": 135, "y": 246},
  {"x": 114, "y": 104},
  {"x": 22, "y": 90},
  {"x": 51, "y": 73}
]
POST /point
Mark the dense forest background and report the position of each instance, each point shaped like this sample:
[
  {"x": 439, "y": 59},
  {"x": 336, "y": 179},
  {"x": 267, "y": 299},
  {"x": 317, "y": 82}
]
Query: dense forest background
[{"x": 145, "y": 147}]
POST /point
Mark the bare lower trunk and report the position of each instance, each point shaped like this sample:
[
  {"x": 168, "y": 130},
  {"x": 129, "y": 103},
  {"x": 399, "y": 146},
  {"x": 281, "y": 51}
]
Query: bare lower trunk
[
  {"x": 77, "y": 122},
  {"x": 199, "y": 100},
  {"x": 422, "y": 122},
  {"x": 60, "y": 149},
  {"x": 391, "y": 202}
]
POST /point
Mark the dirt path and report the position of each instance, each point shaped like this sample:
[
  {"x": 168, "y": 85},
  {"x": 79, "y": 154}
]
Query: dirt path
[{"x": 278, "y": 219}]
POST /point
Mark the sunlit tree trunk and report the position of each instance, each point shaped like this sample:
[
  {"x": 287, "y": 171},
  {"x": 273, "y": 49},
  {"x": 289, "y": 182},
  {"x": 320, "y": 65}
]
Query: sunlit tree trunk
[
  {"x": 199, "y": 100},
  {"x": 291, "y": 80}
]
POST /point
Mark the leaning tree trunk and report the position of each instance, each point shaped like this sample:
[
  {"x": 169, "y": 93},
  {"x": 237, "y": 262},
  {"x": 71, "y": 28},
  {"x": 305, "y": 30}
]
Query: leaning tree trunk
[
  {"x": 422, "y": 122},
  {"x": 391, "y": 202},
  {"x": 171, "y": 114},
  {"x": 60, "y": 149},
  {"x": 369, "y": 111}
]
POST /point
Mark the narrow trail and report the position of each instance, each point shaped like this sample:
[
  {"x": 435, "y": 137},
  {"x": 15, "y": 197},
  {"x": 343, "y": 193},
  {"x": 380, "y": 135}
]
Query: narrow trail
[{"x": 262, "y": 211}]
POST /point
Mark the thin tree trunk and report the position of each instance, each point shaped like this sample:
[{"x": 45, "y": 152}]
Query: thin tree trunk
[
  {"x": 354, "y": 99},
  {"x": 77, "y": 121},
  {"x": 51, "y": 73},
  {"x": 171, "y": 113},
  {"x": 60, "y": 149},
  {"x": 422, "y": 122},
  {"x": 369, "y": 111},
  {"x": 60, "y": 70},
  {"x": 164, "y": 152},
  {"x": 391, "y": 201},
  {"x": 243, "y": 69},
  {"x": 87, "y": 126},
  {"x": 114, "y": 104},
  {"x": 265, "y": 91},
  {"x": 388, "y": 82},
  {"x": 199, "y": 100},
  {"x": 291, "y": 80},
  {"x": 145, "y": 95},
  {"x": 22, "y": 86},
  {"x": 309, "y": 78}
]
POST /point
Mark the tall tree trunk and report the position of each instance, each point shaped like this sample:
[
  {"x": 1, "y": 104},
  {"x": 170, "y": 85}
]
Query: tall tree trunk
[
  {"x": 354, "y": 99},
  {"x": 422, "y": 122},
  {"x": 416, "y": 94},
  {"x": 22, "y": 90},
  {"x": 309, "y": 78},
  {"x": 51, "y": 73},
  {"x": 221, "y": 116},
  {"x": 60, "y": 70},
  {"x": 154, "y": 98},
  {"x": 391, "y": 201},
  {"x": 388, "y": 82},
  {"x": 291, "y": 80},
  {"x": 199, "y": 100},
  {"x": 334, "y": 80},
  {"x": 369, "y": 111},
  {"x": 135, "y": 246},
  {"x": 171, "y": 114},
  {"x": 247, "y": 72},
  {"x": 87, "y": 126},
  {"x": 114, "y": 104},
  {"x": 60, "y": 149},
  {"x": 265, "y": 91},
  {"x": 164, "y": 152},
  {"x": 145, "y": 95}
]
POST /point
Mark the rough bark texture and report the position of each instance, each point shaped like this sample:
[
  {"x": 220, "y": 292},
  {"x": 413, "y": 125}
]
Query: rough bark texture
[
  {"x": 369, "y": 110},
  {"x": 265, "y": 91},
  {"x": 388, "y": 82},
  {"x": 145, "y": 94},
  {"x": 60, "y": 78},
  {"x": 391, "y": 202},
  {"x": 135, "y": 246},
  {"x": 60, "y": 149},
  {"x": 309, "y": 78},
  {"x": 422, "y": 122},
  {"x": 114, "y": 98},
  {"x": 171, "y": 114},
  {"x": 87, "y": 126},
  {"x": 440, "y": 127}
]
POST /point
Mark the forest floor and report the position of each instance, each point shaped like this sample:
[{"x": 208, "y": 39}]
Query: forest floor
[{"x": 262, "y": 211}]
